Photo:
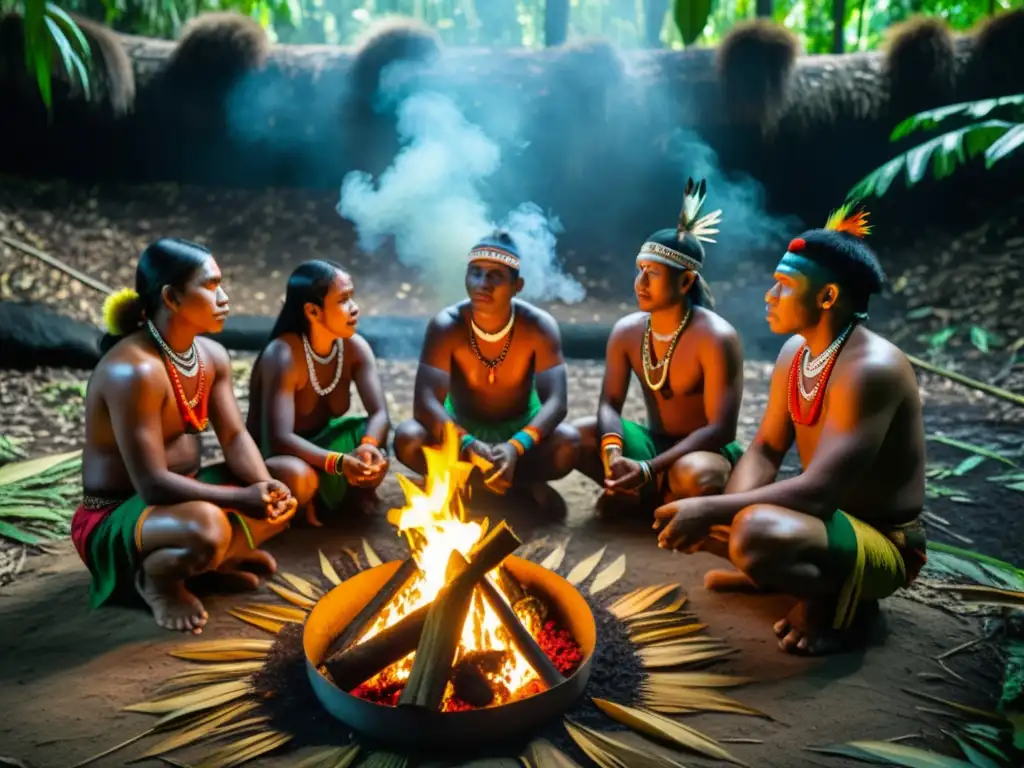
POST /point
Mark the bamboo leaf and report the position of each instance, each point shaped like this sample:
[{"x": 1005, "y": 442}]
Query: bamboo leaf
[
  {"x": 892, "y": 754},
  {"x": 609, "y": 575},
  {"x": 974, "y": 756},
  {"x": 305, "y": 588},
  {"x": 985, "y": 595},
  {"x": 371, "y": 557},
  {"x": 683, "y": 656},
  {"x": 19, "y": 471},
  {"x": 180, "y": 701},
  {"x": 988, "y": 453},
  {"x": 554, "y": 560},
  {"x": 16, "y": 534},
  {"x": 541, "y": 753},
  {"x": 964, "y": 708},
  {"x": 291, "y": 596},
  {"x": 328, "y": 570},
  {"x": 232, "y": 649},
  {"x": 695, "y": 680},
  {"x": 662, "y": 728},
  {"x": 267, "y": 625},
  {"x": 698, "y": 699},
  {"x": 585, "y": 567},
  {"x": 965, "y": 466}
]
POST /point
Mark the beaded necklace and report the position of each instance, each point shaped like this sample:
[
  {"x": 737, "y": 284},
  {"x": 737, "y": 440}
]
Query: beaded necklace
[
  {"x": 491, "y": 365},
  {"x": 194, "y": 412},
  {"x": 338, "y": 350},
  {"x": 817, "y": 393},
  {"x": 649, "y": 364}
]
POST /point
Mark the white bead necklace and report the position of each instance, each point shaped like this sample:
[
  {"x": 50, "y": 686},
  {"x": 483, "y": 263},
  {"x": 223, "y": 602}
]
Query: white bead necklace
[
  {"x": 813, "y": 367},
  {"x": 187, "y": 363},
  {"x": 493, "y": 337},
  {"x": 311, "y": 355}
]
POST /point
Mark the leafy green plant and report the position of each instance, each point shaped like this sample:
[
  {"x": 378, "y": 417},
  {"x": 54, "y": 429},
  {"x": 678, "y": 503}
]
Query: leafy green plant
[
  {"x": 38, "y": 497},
  {"x": 995, "y": 139},
  {"x": 691, "y": 16},
  {"x": 50, "y": 33}
]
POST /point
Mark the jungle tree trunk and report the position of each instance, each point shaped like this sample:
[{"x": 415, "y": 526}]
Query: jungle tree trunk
[
  {"x": 838, "y": 23},
  {"x": 556, "y": 22},
  {"x": 763, "y": 9}
]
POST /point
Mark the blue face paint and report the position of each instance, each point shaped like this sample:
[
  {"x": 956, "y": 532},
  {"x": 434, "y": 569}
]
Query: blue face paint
[{"x": 794, "y": 265}]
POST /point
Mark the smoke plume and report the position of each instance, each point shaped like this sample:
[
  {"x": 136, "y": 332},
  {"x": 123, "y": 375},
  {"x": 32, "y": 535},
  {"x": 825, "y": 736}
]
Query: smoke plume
[{"x": 429, "y": 200}]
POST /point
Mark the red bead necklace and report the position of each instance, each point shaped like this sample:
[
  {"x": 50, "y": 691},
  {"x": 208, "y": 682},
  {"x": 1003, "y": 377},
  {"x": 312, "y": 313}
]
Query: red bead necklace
[
  {"x": 814, "y": 412},
  {"x": 197, "y": 420}
]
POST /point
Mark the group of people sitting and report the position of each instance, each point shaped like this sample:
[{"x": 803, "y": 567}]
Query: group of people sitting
[{"x": 838, "y": 536}]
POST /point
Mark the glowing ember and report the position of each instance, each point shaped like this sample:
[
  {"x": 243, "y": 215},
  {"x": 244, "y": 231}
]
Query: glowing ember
[{"x": 434, "y": 521}]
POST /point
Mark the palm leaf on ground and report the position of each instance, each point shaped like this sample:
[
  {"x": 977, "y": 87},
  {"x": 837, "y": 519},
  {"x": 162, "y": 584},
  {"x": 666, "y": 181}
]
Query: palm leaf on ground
[{"x": 38, "y": 497}]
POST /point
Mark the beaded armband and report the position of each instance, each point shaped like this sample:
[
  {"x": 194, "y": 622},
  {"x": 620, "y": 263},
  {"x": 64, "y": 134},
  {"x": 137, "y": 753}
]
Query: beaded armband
[{"x": 332, "y": 464}]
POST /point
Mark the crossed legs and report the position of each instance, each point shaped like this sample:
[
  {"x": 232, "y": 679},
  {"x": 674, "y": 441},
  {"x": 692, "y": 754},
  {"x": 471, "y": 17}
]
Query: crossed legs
[{"x": 180, "y": 541}]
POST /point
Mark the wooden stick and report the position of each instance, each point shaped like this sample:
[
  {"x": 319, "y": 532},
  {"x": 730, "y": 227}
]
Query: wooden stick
[
  {"x": 1002, "y": 394},
  {"x": 372, "y": 609},
  {"x": 56, "y": 263},
  {"x": 432, "y": 668},
  {"x": 524, "y": 641},
  {"x": 358, "y": 663}
]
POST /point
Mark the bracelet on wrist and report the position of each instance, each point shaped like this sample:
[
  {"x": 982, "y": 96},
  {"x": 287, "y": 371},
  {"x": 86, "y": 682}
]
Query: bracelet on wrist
[
  {"x": 332, "y": 465},
  {"x": 370, "y": 440}
]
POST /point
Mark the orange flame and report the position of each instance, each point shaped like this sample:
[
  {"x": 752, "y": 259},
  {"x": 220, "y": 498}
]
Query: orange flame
[
  {"x": 842, "y": 220},
  {"x": 434, "y": 521}
]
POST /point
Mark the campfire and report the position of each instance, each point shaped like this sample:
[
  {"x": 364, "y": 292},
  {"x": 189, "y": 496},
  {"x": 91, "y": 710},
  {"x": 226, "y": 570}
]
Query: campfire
[{"x": 460, "y": 625}]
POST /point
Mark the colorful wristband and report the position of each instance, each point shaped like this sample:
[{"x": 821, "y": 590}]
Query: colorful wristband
[
  {"x": 466, "y": 441},
  {"x": 370, "y": 440},
  {"x": 522, "y": 439},
  {"x": 534, "y": 434},
  {"x": 332, "y": 463}
]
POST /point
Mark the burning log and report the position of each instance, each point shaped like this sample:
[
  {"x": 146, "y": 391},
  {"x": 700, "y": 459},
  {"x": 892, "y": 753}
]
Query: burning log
[
  {"x": 365, "y": 618},
  {"x": 471, "y": 676},
  {"x": 432, "y": 668},
  {"x": 360, "y": 662}
]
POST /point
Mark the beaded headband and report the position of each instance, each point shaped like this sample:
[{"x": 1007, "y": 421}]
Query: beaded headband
[
  {"x": 496, "y": 255},
  {"x": 701, "y": 228}
]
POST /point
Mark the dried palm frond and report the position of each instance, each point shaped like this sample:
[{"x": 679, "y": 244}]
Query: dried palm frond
[
  {"x": 305, "y": 588},
  {"x": 328, "y": 570},
  {"x": 695, "y": 680},
  {"x": 195, "y": 731},
  {"x": 243, "y": 750},
  {"x": 660, "y": 634},
  {"x": 985, "y": 714},
  {"x": 609, "y": 575},
  {"x": 669, "y": 620},
  {"x": 260, "y": 622},
  {"x": 332, "y": 757},
  {"x": 660, "y": 727},
  {"x": 178, "y": 701},
  {"x": 670, "y": 699},
  {"x": 585, "y": 567},
  {"x": 553, "y": 561},
  {"x": 287, "y": 613},
  {"x": 609, "y": 752},
  {"x": 681, "y": 655},
  {"x": 640, "y": 600},
  {"x": 1007, "y": 598},
  {"x": 211, "y": 673},
  {"x": 290, "y": 595},
  {"x": 541, "y": 753},
  {"x": 371, "y": 557}
]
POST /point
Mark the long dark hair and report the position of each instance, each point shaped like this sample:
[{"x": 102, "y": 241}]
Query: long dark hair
[
  {"x": 169, "y": 261},
  {"x": 309, "y": 283}
]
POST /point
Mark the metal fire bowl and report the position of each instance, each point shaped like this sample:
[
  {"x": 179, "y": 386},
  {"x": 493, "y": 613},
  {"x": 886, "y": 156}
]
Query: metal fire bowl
[{"x": 413, "y": 727}]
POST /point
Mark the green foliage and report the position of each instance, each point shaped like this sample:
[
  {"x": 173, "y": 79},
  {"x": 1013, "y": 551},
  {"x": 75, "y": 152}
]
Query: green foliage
[
  {"x": 994, "y": 139},
  {"x": 691, "y": 16},
  {"x": 50, "y": 33},
  {"x": 38, "y": 497}
]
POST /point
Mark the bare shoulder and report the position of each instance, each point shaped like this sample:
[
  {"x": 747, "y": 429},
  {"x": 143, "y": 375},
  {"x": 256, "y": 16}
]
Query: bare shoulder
[
  {"x": 536, "y": 319},
  {"x": 445, "y": 322},
  {"x": 874, "y": 364},
  {"x": 128, "y": 371},
  {"x": 282, "y": 350},
  {"x": 215, "y": 353},
  {"x": 628, "y": 329},
  {"x": 712, "y": 327},
  {"x": 360, "y": 349}
]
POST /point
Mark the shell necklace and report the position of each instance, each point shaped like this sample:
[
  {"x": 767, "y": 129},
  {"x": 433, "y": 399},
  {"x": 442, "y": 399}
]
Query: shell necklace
[
  {"x": 338, "y": 351},
  {"x": 648, "y": 362},
  {"x": 187, "y": 363},
  {"x": 493, "y": 337}
]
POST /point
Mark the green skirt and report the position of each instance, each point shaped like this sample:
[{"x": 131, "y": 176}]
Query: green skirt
[
  {"x": 341, "y": 435},
  {"x": 493, "y": 432},
  {"x": 113, "y": 554},
  {"x": 640, "y": 444}
]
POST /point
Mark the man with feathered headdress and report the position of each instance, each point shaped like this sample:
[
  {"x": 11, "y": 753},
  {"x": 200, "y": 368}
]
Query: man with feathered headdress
[
  {"x": 690, "y": 365},
  {"x": 846, "y": 532}
]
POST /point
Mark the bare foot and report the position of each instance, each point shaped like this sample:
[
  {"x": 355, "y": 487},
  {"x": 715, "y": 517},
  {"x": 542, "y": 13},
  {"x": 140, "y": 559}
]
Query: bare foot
[
  {"x": 243, "y": 573},
  {"x": 173, "y": 606},
  {"x": 807, "y": 630},
  {"x": 730, "y": 581}
]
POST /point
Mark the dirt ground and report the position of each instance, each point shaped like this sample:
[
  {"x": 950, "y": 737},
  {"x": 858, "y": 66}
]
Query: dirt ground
[{"x": 66, "y": 673}]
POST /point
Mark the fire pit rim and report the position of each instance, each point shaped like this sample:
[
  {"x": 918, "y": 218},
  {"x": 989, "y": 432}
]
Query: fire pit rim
[{"x": 414, "y": 727}]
